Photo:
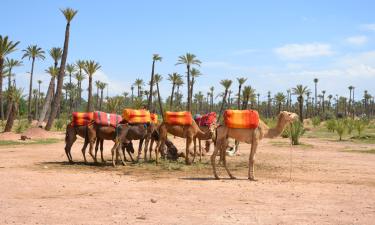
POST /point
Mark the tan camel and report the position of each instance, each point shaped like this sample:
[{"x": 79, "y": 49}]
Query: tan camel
[
  {"x": 189, "y": 132},
  {"x": 207, "y": 137},
  {"x": 71, "y": 136},
  {"x": 249, "y": 136}
]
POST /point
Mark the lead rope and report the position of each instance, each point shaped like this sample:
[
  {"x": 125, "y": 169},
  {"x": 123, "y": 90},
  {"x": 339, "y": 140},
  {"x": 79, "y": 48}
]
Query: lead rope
[{"x": 290, "y": 156}]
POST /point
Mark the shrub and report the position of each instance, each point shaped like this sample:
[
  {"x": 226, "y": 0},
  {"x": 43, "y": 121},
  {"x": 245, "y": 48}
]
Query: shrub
[
  {"x": 328, "y": 115},
  {"x": 340, "y": 128},
  {"x": 59, "y": 124},
  {"x": 350, "y": 125},
  {"x": 296, "y": 130},
  {"x": 22, "y": 126},
  {"x": 331, "y": 125},
  {"x": 360, "y": 126},
  {"x": 316, "y": 121},
  {"x": 285, "y": 133}
]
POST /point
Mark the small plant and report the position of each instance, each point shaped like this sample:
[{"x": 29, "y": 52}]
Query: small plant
[
  {"x": 331, "y": 125},
  {"x": 316, "y": 121},
  {"x": 296, "y": 130},
  {"x": 59, "y": 124},
  {"x": 340, "y": 128},
  {"x": 350, "y": 125},
  {"x": 360, "y": 126},
  {"x": 22, "y": 126},
  {"x": 285, "y": 133}
]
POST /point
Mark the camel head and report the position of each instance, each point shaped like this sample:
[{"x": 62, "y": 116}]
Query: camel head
[{"x": 286, "y": 117}]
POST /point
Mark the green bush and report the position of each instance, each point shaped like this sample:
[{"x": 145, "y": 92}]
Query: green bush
[
  {"x": 285, "y": 133},
  {"x": 340, "y": 128},
  {"x": 360, "y": 126},
  {"x": 350, "y": 125},
  {"x": 22, "y": 126},
  {"x": 331, "y": 125},
  {"x": 296, "y": 130},
  {"x": 271, "y": 122},
  {"x": 328, "y": 115},
  {"x": 59, "y": 124},
  {"x": 316, "y": 121}
]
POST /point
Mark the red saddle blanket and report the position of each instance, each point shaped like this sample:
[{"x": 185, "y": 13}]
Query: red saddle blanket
[
  {"x": 136, "y": 116},
  {"x": 82, "y": 118},
  {"x": 178, "y": 118},
  {"x": 207, "y": 119},
  {"x": 241, "y": 118},
  {"x": 107, "y": 119}
]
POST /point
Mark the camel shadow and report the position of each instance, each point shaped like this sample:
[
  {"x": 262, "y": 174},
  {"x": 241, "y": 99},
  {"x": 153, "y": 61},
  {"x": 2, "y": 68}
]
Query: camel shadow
[
  {"x": 209, "y": 178},
  {"x": 66, "y": 163}
]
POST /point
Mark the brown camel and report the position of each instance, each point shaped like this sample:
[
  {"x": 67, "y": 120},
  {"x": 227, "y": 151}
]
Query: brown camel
[
  {"x": 250, "y": 136},
  {"x": 96, "y": 131},
  {"x": 189, "y": 132},
  {"x": 71, "y": 137},
  {"x": 207, "y": 137}
]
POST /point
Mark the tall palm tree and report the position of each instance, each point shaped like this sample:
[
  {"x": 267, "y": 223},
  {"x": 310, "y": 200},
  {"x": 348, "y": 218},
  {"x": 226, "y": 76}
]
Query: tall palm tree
[
  {"x": 194, "y": 74},
  {"x": 179, "y": 84},
  {"x": 132, "y": 90},
  {"x": 139, "y": 83},
  {"x": 280, "y": 99},
  {"x": 329, "y": 101},
  {"x": 323, "y": 100},
  {"x": 90, "y": 68},
  {"x": 241, "y": 81},
  {"x": 316, "y": 93},
  {"x": 188, "y": 59},
  {"x": 14, "y": 97},
  {"x": 226, "y": 84},
  {"x": 10, "y": 64},
  {"x": 246, "y": 92},
  {"x": 70, "y": 69},
  {"x": 102, "y": 86},
  {"x": 80, "y": 77},
  {"x": 69, "y": 14},
  {"x": 212, "y": 98},
  {"x": 350, "y": 97},
  {"x": 155, "y": 58},
  {"x": 6, "y": 47},
  {"x": 300, "y": 91},
  {"x": 32, "y": 52},
  {"x": 38, "y": 99},
  {"x": 173, "y": 78},
  {"x": 158, "y": 79},
  {"x": 269, "y": 110},
  {"x": 97, "y": 85}
]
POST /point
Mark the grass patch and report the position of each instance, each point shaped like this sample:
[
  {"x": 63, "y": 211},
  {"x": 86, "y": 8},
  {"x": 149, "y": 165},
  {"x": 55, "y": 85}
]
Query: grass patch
[
  {"x": 30, "y": 142},
  {"x": 287, "y": 144},
  {"x": 368, "y": 151}
]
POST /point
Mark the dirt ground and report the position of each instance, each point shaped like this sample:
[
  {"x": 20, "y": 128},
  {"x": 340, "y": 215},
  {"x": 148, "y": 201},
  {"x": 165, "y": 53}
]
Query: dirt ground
[{"x": 331, "y": 184}]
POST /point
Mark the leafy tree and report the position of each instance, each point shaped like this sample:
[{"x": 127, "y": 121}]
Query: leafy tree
[
  {"x": 90, "y": 68},
  {"x": 158, "y": 79},
  {"x": 226, "y": 84},
  {"x": 300, "y": 91},
  {"x": 280, "y": 99},
  {"x": 174, "y": 77},
  {"x": 14, "y": 97},
  {"x": 155, "y": 58},
  {"x": 139, "y": 83},
  {"x": 241, "y": 81}
]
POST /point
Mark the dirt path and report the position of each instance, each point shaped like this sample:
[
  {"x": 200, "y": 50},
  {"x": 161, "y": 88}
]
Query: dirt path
[{"x": 329, "y": 186}]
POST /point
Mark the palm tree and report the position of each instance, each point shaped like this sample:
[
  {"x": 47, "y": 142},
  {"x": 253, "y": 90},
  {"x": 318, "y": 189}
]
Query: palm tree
[
  {"x": 80, "y": 77},
  {"x": 350, "y": 97},
  {"x": 323, "y": 99},
  {"x": 316, "y": 93},
  {"x": 226, "y": 84},
  {"x": 132, "y": 89},
  {"x": 97, "y": 85},
  {"x": 269, "y": 110},
  {"x": 70, "y": 69},
  {"x": 300, "y": 91},
  {"x": 194, "y": 73},
  {"x": 14, "y": 97},
  {"x": 179, "y": 84},
  {"x": 329, "y": 101},
  {"x": 188, "y": 59},
  {"x": 38, "y": 99},
  {"x": 139, "y": 83},
  {"x": 241, "y": 81},
  {"x": 280, "y": 99},
  {"x": 32, "y": 52},
  {"x": 10, "y": 64},
  {"x": 212, "y": 98},
  {"x": 173, "y": 78},
  {"x": 6, "y": 47},
  {"x": 155, "y": 58},
  {"x": 69, "y": 14},
  {"x": 102, "y": 86},
  {"x": 158, "y": 79},
  {"x": 90, "y": 68}
]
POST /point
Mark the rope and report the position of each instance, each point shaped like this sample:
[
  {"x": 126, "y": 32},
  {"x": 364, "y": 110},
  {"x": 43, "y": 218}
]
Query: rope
[{"x": 290, "y": 156}]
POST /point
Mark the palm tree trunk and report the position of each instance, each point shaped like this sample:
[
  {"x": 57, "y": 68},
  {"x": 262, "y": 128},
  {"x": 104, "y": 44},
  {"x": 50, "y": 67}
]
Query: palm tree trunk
[
  {"x": 60, "y": 79},
  {"x": 239, "y": 97},
  {"x": 101, "y": 99},
  {"x": 300, "y": 101},
  {"x": 11, "y": 117},
  {"x": 160, "y": 103},
  {"x": 149, "y": 103},
  {"x": 1, "y": 89},
  {"x": 191, "y": 90},
  {"x": 47, "y": 102},
  {"x": 188, "y": 107},
  {"x": 89, "y": 99},
  {"x": 171, "y": 100},
  {"x": 29, "y": 117},
  {"x": 222, "y": 104}
]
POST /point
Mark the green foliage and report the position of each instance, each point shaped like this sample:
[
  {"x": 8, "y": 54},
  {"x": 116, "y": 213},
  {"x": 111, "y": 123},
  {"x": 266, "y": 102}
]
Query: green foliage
[
  {"x": 340, "y": 128},
  {"x": 331, "y": 125},
  {"x": 271, "y": 122},
  {"x": 22, "y": 126},
  {"x": 285, "y": 133},
  {"x": 328, "y": 115},
  {"x": 60, "y": 124},
  {"x": 296, "y": 130},
  {"x": 360, "y": 126},
  {"x": 316, "y": 121},
  {"x": 349, "y": 125}
]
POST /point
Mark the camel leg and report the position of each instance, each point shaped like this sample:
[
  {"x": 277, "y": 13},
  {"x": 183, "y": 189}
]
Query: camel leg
[
  {"x": 147, "y": 141},
  {"x": 188, "y": 142},
  {"x": 114, "y": 153},
  {"x": 119, "y": 154},
  {"x": 213, "y": 158},
  {"x": 195, "y": 148},
  {"x": 200, "y": 150},
  {"x": 130, "y": 154},
  {"x": 84, "y": 149},
  {"x": 101, "y": 150},
  {"x": 158, "y": 148},
  {"x": 96, "y": 147},
  {"x": 68, "y": 146},
  {"x": 139, "y": 149},
  {"x": 223, "y": 152},
  {"x": 254, "y": 145}
]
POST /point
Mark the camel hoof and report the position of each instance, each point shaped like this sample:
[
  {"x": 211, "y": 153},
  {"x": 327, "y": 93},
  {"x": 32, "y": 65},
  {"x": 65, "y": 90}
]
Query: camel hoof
[
  {"x": 233, "y": 177},
  {"x": 252, "y": 179},
  {"x": 217, "y": 178}
]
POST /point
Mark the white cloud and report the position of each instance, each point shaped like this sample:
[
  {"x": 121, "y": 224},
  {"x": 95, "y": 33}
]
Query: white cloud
[
  {"x": 369, "y": 26},
  {"x": 299, "y": 51},
  {"x": 357, "y": 40}
]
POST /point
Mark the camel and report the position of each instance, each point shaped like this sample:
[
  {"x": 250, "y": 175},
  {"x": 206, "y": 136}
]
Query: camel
[
  {"x": 96, "y": 131},
  {"x": 71, "y": 137},
  {"x": 249, "y": 136},
  {"x": 207, "y": 137},
  {"x": 189, "y": 132}
]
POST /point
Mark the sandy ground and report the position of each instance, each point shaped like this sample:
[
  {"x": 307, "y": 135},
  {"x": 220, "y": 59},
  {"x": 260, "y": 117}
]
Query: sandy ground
[{"x": 329, "y": 186}]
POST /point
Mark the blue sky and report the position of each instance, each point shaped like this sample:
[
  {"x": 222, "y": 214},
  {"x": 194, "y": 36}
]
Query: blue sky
[{"x": 275, "y": 44}]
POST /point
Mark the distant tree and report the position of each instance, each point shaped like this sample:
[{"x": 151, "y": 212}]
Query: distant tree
[
  {"x": 158, "y": 79},
  {"x": 280, "y": 100},
  {"x": 90, "y": 69},
  {"x": 173, "y": 78},
  {"x": 226, "y": 84},
  {"x": 155, "y": 58},
  {"x": 316, "y": 93},
  {"x": 139, "y": 83},
  {"x": 80, "y": 77},
  {"x": 101, "y": 87},
  {"x": 300, "y": 91},
  {"x": 14, "y": 97},
  {"x": 194, "y": 74},
  {"x": 241, "y": 81}
]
